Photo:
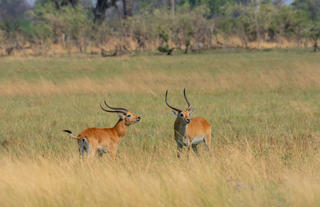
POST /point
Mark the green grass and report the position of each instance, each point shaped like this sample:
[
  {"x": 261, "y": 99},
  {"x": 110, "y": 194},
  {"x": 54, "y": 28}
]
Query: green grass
[
  {"x": 264, "y": 107},
  {"x": 64, "y": 68}
]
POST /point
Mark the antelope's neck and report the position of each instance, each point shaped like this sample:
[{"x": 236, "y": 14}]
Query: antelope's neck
[
  {"x": 121, "y": 128},
  {"x": 180, "y": 128}
]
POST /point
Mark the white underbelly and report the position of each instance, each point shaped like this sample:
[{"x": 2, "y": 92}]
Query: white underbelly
[{"x": 197, "y": 140}]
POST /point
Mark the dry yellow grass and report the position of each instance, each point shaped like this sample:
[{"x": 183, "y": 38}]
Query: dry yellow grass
[
  {"x": 146, "y": 82},
  {"x": 231, "y": 176},
  {"x": 264, "y": 109}
]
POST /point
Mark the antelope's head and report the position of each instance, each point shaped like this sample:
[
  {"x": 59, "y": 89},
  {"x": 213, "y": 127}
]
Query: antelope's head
[
  {"x": 124, "y": 114},
  {"x": 182, "y": 115}
]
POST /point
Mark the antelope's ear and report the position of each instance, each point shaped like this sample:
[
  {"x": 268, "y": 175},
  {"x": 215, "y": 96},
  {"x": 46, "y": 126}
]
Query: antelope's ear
[
  {"x": 191, "y": 111},
  {"x": 121, "y": 116},
  {"x": 175, "y": 112}
]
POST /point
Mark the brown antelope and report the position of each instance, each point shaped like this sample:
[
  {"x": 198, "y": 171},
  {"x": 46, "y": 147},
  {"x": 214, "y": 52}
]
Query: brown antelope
[
  {"x": 189, "y": 132},
  {"x": 104, "y": 140}
]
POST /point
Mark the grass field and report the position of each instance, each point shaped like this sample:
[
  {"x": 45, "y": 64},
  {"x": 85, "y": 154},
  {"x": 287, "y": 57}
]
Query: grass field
[{"x": 264, "y": 108}]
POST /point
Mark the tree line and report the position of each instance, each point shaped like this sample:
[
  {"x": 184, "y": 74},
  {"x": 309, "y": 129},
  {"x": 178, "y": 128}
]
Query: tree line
[{"x": 121, "y": 26}]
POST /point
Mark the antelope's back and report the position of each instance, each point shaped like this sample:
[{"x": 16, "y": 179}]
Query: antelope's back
[{"x": 99, "y": 134}]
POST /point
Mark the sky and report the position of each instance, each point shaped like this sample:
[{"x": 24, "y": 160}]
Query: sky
[{"x": 31, "y": 1}]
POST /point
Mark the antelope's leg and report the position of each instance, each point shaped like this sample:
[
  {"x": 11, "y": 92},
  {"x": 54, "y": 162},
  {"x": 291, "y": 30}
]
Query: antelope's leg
[
  {"x": 179, "y": 149},
  {"x": 112, "y": 149},
  {"x": 90, "y": 148},
  {"x": 81, "y": 148},
  {"x": 189, "y": 148},
  {"x": 100, "y": 151},
  {"x": 195, "y": 149},
  {"x": 207, "y": 141},
  {"x": 85, "y": 145}
]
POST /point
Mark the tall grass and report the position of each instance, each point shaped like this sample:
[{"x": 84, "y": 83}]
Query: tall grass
[{"x": 263, "y": 107}]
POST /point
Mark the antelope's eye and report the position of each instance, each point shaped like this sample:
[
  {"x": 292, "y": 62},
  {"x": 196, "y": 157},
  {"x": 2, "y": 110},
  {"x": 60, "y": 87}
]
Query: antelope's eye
[
  {"x": 129, "y": 115},
  {"x": 181, "y": 115}
]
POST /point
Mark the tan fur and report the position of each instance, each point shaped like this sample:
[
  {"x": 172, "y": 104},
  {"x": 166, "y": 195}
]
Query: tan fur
[
  {"x": 189, "y": 132},
  {"x": 198, "y": 127},
  {"x": 108, "y": 138}
]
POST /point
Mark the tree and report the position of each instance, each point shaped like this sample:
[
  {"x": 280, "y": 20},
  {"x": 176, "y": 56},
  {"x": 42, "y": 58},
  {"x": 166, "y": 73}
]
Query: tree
[
  {"x": 127, "y": 8},
  {"x": 67, "y": 26},
  {"x": 102, "y": 6},
  {"x": 284, "y": 23},
  {"x": 216, "y": 7},
  {"x": 314, "y": 34},
  {"x": 14, "y": 24},
  {"x": 311, "y": 8},
  {"x": 60, "y": 3},
  {"x": 171, "y": 7},
  {"x": 239, "y": 21}
]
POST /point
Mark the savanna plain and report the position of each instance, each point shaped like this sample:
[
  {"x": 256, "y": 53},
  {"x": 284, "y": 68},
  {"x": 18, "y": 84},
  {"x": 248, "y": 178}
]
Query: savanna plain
[{"x": 264, "y": 108}]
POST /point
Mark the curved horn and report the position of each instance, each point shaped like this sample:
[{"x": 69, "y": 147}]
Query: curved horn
[
  {"x": 111, "y": 111},
  {"x": 166, "y": 100},
  {"x": 116, "y": 108},
  {"x": 185, "y": 97}
]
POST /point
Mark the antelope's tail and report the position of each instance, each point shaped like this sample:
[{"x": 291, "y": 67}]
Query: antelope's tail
[{"x": 70, "y": 132}]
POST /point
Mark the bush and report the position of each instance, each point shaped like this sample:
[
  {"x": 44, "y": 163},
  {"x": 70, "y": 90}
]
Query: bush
[{"x": 67, "y": 25}]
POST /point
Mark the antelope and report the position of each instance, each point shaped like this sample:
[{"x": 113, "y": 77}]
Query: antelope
[
  {"x": 189, "y": 132},
  {"x": 104, "y": 140}
]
